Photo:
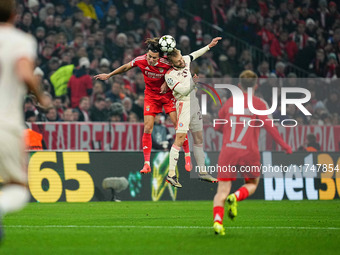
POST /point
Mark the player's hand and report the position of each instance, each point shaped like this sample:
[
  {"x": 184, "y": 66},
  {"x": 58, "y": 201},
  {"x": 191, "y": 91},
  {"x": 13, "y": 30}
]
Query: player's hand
[
  {"x": 288, "y": 150},
  {"x": 214, "y": 42},
  {"x": 195, "y": 78},
  {"x": 102, "y": 76},
  {"x": 44, "y": 102},
  {"x": 164, "y": 88}
]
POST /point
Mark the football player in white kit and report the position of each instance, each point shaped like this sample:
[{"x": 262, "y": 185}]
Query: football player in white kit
[
  {"x": 17, "y": 54},
  {"x": 189, "y": 115}
]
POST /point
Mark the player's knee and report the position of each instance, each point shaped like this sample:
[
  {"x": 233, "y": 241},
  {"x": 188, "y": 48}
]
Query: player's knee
[{"x": 148, "y": 128}]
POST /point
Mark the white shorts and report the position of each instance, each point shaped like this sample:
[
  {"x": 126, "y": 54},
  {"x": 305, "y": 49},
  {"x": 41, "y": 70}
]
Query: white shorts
[
  {"x": 12, "y": 158},
  {"x": 189, "y": 116}
]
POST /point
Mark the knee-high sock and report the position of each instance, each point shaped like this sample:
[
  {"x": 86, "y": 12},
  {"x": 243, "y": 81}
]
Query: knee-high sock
[
  {"x": 186, "y": 146},
  {"x": 173, "y": 159},
  {"x": 147, "y": 146},
  {"x": 218, "y": 214},
  {"x": 241, "y": 194},
  {"x": 200, "y": 157},
  {"x": 13, "y": 198}
]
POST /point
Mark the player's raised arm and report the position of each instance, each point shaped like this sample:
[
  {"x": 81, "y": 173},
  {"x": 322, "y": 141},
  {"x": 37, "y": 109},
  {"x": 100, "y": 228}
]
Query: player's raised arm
[
  {"x": 203, "y": 50},
  {"x": 122, "y": 69}
]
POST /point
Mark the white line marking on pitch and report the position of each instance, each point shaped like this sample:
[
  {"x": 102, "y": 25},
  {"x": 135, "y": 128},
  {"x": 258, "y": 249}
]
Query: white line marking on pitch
[{"x": 171, "y": 227}]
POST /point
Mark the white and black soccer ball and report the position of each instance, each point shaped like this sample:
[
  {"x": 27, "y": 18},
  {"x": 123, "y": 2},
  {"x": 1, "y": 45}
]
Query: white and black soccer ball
[{"x": 167, "y": 43}]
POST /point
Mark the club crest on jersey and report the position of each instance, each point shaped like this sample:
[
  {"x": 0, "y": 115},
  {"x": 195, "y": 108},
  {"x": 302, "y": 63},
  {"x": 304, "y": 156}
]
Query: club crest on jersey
[
  {"x": 147, "y": 108},
  {"x": 180, "y": 124},
  {"x": 161, "y": 70}
]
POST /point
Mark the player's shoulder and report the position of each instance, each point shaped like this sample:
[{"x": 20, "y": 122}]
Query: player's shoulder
[
  {"x": 140, "y": 58},
  {"x": 259, "y": 102},
  {"x": 187, "y": 58},
  {"x": 15, "y": 35},
  {"x": 164, "y": 61},
  {"x": 170, "y": 71}
]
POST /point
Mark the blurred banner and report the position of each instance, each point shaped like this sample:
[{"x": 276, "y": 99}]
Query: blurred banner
[
  {"x": 78, "y": 177},
  {"x": 128, "y": 137}
]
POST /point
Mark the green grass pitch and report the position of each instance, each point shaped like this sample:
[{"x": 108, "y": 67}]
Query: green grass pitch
[{"x": 182, "y": 227}]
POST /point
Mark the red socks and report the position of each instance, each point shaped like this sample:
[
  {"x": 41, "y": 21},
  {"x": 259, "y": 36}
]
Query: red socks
[
  {"x": 186, "y": 145},
  {"x": 218, "y": 214},
  {"x": 241, "y": 194},
  {"x": 147, "y": 146}
]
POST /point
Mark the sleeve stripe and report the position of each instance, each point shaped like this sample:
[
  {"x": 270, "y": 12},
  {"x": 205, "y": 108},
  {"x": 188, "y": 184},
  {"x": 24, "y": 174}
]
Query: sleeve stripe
[{"x": 175, "y": 85}]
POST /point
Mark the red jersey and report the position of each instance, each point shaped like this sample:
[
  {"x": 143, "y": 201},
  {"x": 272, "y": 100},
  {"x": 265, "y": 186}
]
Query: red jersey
[
  {"x": 240, "y": 140},
  {"x": 153, "y": 75}
]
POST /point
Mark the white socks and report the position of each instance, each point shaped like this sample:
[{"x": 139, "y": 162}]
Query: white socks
[
  {"x": 13, "y": 198},
  {"x": 173, "y": 159},
  {"x": 200, "y": 157}
]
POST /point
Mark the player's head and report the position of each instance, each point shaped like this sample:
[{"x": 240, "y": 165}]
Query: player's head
[
  {"x": 7, "y": 11},
  {"x": 176, "y": 59},
  {"x": 153, "y": 51},
  {"x": 248, "y": 79}
]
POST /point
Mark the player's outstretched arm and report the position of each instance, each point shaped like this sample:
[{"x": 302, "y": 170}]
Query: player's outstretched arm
[
  {"x": 203, "y": 50},
  {"x": 122, "y": 69}
]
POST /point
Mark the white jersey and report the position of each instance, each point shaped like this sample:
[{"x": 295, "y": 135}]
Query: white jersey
[
  {"x": 14, "y": 45},
  {"x": 187, "y": 107},
  {"x": 181, "y": 80}
]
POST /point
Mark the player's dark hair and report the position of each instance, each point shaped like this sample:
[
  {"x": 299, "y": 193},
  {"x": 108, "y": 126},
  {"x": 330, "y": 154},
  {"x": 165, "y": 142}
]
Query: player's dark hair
[
  {"x": 7, "y": 9},
  {"x": 248, "y": 79},
  {"x": 152, "y": 45}
]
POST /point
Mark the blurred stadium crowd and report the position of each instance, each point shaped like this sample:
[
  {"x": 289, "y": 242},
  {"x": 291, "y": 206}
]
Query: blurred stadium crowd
[{"x": 80, "y": 38}]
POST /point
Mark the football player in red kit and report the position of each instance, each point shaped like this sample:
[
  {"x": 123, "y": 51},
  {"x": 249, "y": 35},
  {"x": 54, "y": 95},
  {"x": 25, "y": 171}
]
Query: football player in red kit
[
  {"x": 153, "y": 67},
  {"x": 240, "y": 149}
]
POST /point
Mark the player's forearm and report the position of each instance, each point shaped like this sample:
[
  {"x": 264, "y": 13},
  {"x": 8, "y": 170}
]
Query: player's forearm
[
  {"x": 199, "y": 52},
  {"x": 32, "y": 85},
  {"x": 272, "y": 130},
  {"x": 121, "y": 69},
  {"x": 184, "y": 90},
  {"x": 25, "y": 73}
]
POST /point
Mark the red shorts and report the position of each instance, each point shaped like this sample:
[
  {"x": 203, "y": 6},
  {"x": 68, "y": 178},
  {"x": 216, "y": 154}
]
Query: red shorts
[
  {"x": 235, "y": 162},
  {"x": 153, "y": 103},
  {"x": 231, "y": 174}
]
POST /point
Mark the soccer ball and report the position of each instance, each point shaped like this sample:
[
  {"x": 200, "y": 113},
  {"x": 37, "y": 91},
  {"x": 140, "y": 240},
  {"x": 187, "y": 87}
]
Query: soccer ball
[{"x": 167, "y": 43}]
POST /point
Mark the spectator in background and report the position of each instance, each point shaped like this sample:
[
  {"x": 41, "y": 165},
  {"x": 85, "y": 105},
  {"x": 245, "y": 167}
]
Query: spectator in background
[
  {"x": 333, "y": 102},
  {"x": 98, "y": 111},
  {"x": 138, "y": 107},
  {"x": 101, "y": 7},
  {"x": 111, "y": 17},
  {"x": 161, "y": 137},
  {"x": 87, "y": 8},
  {"x": 310, "y": 144},
  {"x": 133, "y": 118},
  {"x": 68, "y": 115},
  {"x": 57, "y": 103},
  {"x": 84, "y": 106},
  {"x": 284, "y": 48},
  {"x": 80, "y": 83},
  {"x": 114, "y": 93},
  {"x": 52, "y": 114},
  {"x": 299, "y": 36}
]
